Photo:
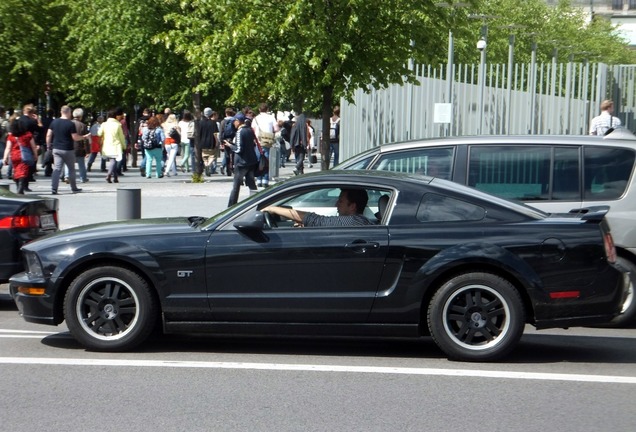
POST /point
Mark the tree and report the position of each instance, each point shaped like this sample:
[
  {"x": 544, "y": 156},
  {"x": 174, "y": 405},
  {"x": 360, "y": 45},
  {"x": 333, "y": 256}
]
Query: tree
[
  {"x": 306, "y": 53},
  {"x": 31, "y": 48}
]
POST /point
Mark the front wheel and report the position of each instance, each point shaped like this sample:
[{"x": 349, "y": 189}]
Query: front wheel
[
  {"x": 476, "y": 317},
  {"x": 110, "y": 309}
]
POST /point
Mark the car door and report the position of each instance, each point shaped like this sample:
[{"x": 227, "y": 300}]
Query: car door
[{"x": 286, "y": 274}]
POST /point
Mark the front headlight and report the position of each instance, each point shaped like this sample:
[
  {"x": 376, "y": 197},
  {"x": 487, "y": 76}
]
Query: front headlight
[{"x": 33, "y": 265}]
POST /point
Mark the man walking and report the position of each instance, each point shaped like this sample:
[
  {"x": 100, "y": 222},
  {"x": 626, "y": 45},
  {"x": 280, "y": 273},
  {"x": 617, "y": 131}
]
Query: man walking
[
  {"x": 61, "y": 137},
  {"x": 206, "y": 142},
  {"x": 605, "y": 123}
]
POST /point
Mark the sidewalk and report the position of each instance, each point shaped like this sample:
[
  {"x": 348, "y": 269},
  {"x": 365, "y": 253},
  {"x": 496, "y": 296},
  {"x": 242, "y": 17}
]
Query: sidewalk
[{"x": 164, "y": 197}]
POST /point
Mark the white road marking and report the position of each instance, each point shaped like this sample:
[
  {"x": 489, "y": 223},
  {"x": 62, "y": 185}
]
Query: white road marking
[{"x": 321, "y": 368}]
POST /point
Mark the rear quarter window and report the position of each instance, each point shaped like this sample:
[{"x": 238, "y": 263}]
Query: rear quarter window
[
  {"x": 607, "y": 172},
  {"x": 440, "y": 208}
]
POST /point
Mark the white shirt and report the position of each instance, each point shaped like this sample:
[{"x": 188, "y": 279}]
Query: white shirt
[
  {"x": 601, "y": 123},
  {"x": 265, "y": 122}
]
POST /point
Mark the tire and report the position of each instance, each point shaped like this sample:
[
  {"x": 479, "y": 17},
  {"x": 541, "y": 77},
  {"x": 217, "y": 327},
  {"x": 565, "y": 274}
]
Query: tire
[
  {"x": 110, "y": 309},
  {"x": 476, "y": 317},
  {"x": 628, "y": 312}
]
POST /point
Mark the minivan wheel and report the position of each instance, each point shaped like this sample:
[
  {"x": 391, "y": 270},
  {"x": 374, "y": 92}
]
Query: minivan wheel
[
  {"x": 628, "y": 311},
  {"x": 476, "y": 317},
  {"x": 110, "y": 309}
]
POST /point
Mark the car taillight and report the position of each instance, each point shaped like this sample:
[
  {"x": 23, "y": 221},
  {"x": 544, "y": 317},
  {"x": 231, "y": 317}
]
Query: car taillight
[
  {"x": 20, "y": 222},
  {"x": 610, "y": 250}
]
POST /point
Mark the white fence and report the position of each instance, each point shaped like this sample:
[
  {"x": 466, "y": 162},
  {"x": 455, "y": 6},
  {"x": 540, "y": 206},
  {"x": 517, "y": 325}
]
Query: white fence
[{"x": 547, "y": 98}]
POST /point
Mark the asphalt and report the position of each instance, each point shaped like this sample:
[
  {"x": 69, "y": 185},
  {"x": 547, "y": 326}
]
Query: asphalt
[{"x": 164, "y": 197}]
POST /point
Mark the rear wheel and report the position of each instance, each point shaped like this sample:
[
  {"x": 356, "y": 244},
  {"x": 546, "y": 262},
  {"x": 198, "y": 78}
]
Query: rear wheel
[
  {"x": 476, "y": 317},
  {"x": 628, "y": 311},
  {"x": 110, "y": 309}
]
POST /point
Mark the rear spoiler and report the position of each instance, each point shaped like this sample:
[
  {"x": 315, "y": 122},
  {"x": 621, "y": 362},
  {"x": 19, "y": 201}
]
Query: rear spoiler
[{"x": 593, "y": 214}]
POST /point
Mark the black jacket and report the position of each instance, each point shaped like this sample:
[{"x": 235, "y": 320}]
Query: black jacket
[{"x": 204, "y": 133}]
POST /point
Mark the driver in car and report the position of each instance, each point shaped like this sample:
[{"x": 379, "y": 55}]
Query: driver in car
[{"x": 351, "y": 204}]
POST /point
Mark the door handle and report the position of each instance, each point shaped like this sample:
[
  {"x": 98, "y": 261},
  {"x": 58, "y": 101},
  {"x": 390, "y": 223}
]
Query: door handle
[{"x": 361, "y": 246}]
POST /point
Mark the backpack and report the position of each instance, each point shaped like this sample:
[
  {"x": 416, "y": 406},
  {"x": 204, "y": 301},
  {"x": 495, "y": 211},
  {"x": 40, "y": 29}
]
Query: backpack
[
  {"x": 175, "y": 135},
  {"x": 334, "y": 129},
  {"x": 150, "y": 141},
  {"x": 228, "y": 129}
]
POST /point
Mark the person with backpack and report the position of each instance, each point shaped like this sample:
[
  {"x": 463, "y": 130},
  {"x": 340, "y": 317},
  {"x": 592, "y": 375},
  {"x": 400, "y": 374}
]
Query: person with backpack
[
  {"x": 19, "y": 145},
  {"x": 245, "y": 162},
  {"x": 153, "y": 139},
  {"x": 226, "y": 135}
]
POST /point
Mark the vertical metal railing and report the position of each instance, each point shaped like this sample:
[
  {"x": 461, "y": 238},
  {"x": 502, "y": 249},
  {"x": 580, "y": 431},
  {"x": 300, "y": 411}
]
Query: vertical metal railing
[{"x": 545, "y": 98}]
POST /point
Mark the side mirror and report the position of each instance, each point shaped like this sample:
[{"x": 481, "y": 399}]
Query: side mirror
[{"x": 254, "y": 221}]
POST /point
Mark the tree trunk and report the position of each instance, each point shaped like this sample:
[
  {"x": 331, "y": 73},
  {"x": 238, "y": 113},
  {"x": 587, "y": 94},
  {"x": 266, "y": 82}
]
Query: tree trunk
[{"x": 327, "y": 100}]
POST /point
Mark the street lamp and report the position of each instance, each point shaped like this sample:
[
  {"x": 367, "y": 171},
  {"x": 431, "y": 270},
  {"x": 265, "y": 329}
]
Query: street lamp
[{"x": 481, "y": 46}]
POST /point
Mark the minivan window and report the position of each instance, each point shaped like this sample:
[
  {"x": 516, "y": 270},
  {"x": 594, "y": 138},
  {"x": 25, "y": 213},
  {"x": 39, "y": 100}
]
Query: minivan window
[
  {"x": 607, "y": 172},
  {"x": 436, "y": 162},
  {"x": 513, "y": 172}
]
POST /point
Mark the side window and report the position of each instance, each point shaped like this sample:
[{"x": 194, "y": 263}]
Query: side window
[
  {"x": 439, "y": 208},
  {"x": 607, "y": 172},
  {"x": 436, "y": 162},
  {"x": 519, "y": 172},
  {"x": 567, "y": 174}
]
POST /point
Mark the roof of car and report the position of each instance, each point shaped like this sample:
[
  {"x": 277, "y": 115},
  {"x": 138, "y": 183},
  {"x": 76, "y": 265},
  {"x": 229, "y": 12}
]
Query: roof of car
[{"x": 619, "y": 137}]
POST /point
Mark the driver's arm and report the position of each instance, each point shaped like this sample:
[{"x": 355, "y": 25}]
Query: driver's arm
[{"x": 288, "y": 213}]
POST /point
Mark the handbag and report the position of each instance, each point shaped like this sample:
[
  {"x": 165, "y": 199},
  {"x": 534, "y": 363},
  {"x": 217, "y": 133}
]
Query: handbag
[{"x": 26, "y": 154}]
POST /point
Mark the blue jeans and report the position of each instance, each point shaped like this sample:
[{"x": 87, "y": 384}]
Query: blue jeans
[
  {"x": 334, "y": 147},
  {"x": 264, "y": 179}
]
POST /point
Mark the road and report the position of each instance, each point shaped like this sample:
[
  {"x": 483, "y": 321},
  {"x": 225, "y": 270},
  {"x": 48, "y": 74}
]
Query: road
[
  {"x": 565, "y": 380},
  {"x": 557, "y": 380}
]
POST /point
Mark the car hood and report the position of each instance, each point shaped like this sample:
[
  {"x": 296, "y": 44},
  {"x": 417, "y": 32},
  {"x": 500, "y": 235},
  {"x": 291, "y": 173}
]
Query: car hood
[{"x": 119, "y": 230}]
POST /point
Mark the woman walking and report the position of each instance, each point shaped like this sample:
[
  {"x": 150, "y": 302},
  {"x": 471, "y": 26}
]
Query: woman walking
[
  {"x": 19, "y": 142},
  {"x": 173, "y": 135},
  {"x": 187, "y": 131},
  {"x": 153, "y": 140},
  {"x": 113, "y": 142}
]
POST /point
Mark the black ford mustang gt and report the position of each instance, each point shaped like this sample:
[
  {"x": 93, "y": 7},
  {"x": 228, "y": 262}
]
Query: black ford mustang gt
[
  {"x": 23, "y": 218},
  {"x": 440, "y": 259}
]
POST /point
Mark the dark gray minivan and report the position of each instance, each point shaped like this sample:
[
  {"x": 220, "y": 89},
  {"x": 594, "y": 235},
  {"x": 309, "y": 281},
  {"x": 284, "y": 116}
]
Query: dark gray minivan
[{"x": 556, "y": 174}]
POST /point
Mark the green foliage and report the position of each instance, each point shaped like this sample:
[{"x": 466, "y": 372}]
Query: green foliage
[{"x": 295, "y": 54}]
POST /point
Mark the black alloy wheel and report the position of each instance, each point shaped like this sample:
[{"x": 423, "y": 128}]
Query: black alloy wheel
[
  {"x": 476, "y": 317},
  {"x": 110, "y": 309}
]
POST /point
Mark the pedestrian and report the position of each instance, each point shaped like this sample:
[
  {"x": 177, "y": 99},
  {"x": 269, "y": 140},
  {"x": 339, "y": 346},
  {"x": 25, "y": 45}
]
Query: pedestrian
[
  {"x": 140, "y": 126},
  {"x": 245, "y": 161},
  {"x": 605, "y": 122},
  {"x": 153, "y": 139},
  {"x": 334, "y": 136},
  {"x": 122, "y": 165},
  {"x": 4, "y": 131},
  {"x": 186, "y": 125},
  {"x": 96, "y": 142},
  {"x": 227, "y": 128},
  {"x": 264, "y": 125},
  {"x": 19, "y": 144},
  {"x": 61, "y": 138},
  {"x": 171, "y": 142},
  {"x": 299, "y": 142},
  {"x": 113, "y": 142},
  {"x": 81, "y": 146},
  {"x": 207, "y": 134}
]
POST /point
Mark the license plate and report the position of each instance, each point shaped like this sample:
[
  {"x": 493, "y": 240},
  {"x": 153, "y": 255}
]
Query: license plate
[{"x": 47, "y": 221}]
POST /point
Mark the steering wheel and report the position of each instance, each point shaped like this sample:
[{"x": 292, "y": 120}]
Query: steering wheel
[{"x": 269, "y": 220}]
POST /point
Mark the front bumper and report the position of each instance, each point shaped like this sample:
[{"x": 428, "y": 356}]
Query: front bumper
[{"x": 38, "y": 309}]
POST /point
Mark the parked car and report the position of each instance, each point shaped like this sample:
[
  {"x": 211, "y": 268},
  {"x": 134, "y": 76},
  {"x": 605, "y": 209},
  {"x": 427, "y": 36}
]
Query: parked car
[
  {"x": 552, "y": 173},
  {"x": 22, "y": 219},
  {"x": 468, "y": 268}
]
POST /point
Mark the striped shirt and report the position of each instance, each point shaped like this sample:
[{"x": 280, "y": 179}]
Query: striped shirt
[
  {"x": 313, "y": 219},
  {"x": 601, "y": 124}
]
